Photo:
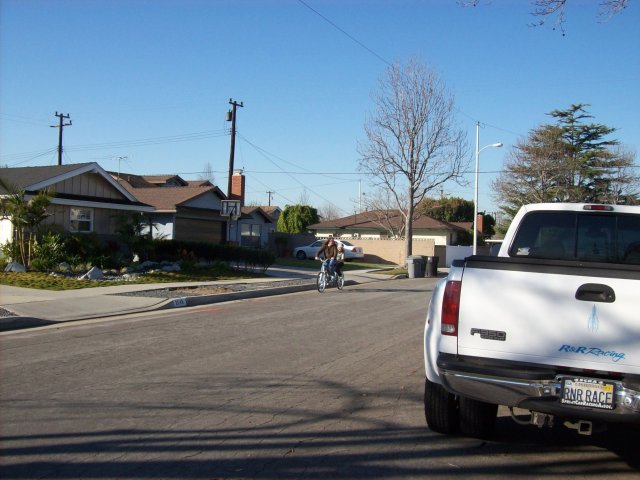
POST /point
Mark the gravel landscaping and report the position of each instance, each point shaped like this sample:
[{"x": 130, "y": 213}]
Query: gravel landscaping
[{"x": 6, "y": 313}]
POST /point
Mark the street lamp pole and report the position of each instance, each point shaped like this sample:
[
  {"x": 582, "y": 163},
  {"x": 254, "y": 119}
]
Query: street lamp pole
[{"x": 475, "y": 200}]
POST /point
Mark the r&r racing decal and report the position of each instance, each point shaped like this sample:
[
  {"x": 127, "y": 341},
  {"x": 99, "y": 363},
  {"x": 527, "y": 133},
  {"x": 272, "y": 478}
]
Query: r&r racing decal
[{"x": 595, "y": 351}]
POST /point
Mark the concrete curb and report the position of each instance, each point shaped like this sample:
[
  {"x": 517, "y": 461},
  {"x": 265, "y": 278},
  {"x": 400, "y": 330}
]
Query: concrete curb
[
  {"x": 23, "y": 322},
  {"x": 198, "y": 300}
]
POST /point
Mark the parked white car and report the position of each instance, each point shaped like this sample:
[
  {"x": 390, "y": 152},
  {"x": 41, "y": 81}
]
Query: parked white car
[{"x": 309, "y": 251}]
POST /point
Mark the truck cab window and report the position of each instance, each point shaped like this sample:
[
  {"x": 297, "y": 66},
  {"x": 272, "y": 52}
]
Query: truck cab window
[{"x": 545, "y": 235}]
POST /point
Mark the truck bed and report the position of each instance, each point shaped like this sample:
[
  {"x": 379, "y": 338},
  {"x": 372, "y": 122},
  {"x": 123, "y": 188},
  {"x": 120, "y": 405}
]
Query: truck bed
[{"x": 550, "y": 312}]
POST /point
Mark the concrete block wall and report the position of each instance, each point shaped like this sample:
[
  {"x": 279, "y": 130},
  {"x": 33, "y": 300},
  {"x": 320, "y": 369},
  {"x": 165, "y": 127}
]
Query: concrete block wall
[{"x": 392, "y": 251}]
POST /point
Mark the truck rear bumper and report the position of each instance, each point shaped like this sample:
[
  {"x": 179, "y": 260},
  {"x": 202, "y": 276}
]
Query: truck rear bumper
[{"x": 532, "y": 387}]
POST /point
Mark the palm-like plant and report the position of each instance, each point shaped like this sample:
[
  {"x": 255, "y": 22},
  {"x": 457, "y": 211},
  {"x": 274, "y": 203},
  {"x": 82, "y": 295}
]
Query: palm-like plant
[{"x": 25, "y": 215}]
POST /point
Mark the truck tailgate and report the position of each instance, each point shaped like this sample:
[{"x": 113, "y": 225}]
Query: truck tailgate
[{"x": 555, "y": 313}]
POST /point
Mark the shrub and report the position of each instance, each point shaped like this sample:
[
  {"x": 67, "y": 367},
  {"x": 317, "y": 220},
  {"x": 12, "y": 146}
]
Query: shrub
[
  {"x": 10, "y": 251},
  {"x": 248, "y": 258},
  {"x": 48, "y": 252},
  {"x": 87, "y": 249}
]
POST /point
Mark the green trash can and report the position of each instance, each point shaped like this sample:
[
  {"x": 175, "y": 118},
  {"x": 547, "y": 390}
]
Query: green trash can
[
  {"x": 415, "y": 266},
  {"x": 432, "y": 266}
]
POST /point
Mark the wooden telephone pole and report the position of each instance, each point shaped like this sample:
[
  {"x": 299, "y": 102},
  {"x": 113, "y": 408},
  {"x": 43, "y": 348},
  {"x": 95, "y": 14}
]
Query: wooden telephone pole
[
  {"x": 231, "y": 116},
  {"x": 61, "y": 125}
]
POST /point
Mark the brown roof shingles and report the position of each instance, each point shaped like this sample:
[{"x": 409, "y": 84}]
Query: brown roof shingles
[
  {"x": 372, "y": 220},
  {"x": 167, "y": 198}
]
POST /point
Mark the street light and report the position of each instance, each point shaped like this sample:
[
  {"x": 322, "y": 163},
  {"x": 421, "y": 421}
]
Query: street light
[{"x": 475, "y": 201}]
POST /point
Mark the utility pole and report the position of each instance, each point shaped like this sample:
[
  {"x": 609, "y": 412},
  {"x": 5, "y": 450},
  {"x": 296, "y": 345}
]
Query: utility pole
[
  {"x": 270, "y": 193},
  {"x": 231, "y": 117},
  {"x": 61, "y": 125}
]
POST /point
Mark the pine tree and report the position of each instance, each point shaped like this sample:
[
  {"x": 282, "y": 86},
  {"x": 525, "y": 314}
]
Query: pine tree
[{"x": 570, "y": 161}]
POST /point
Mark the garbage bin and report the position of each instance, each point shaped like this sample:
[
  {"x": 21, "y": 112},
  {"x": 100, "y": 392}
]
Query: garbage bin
[
  {"x": 432, "y": 266},
  {"x": 415, "y": 266}
]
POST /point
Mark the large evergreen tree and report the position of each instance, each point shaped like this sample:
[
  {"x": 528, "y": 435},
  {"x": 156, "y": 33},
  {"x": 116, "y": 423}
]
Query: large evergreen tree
[
  {"x": 296, "y": 218},
  {"x": 570, "y": 161}
]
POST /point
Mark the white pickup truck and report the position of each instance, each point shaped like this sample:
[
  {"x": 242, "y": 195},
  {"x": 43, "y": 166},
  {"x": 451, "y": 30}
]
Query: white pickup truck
[{"x": 550, "y": 325}]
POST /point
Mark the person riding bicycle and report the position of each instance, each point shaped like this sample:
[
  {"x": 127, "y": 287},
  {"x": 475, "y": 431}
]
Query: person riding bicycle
[
  {"x": 330, "y": 252},
  {"x": 340, "y": 259}
]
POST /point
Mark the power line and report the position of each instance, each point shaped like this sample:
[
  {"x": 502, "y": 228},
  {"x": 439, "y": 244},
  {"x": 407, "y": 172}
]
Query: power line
[
  {"x": 344, "y": 32},
  {"x": 382, "y": 59},
  {"x": 265, "y": 154},
  {"x": 136, "y": 143},
  {"x": 22, "y": 119},
  {"x": 33, "y": 156},
  {"x": 150, "y": 141},
  {"x": 306, "y": 171}
]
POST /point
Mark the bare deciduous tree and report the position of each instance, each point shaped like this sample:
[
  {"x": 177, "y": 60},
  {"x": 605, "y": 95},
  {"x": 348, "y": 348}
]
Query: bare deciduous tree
[
  {"x": 547, "y": 9},
  {"x": 207, "y": 173},
  {"x": 624, "y": 180},
  {"x": 329, "y": 212},
  {"x": 414, "y": 142},
  {"x": 304, "y": 198},
  {"x": 382, "y": 209}
]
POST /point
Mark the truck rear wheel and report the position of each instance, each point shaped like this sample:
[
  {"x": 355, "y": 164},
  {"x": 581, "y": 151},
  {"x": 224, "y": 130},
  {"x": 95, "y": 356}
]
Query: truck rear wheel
[
  {"x": 477, "y": 418},
  {"x": 440, "y": 408}
]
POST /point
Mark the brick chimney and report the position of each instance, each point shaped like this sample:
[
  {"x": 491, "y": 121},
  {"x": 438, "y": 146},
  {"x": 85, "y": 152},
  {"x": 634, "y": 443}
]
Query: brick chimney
[
  {"x": 480, "y": 222},
  {"x": 237, "y": 187}
]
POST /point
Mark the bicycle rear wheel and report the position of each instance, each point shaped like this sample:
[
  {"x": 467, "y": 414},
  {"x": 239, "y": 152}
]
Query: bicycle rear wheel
[
  {"x": 340, "y": 282},
  {"x": 322, "y": 281}
]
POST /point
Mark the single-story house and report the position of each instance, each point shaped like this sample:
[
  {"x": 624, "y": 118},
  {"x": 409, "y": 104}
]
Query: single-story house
[
  {"x": 380, "y": 224},
  {"x": 254, "y": 226},
  {"x": 84, "y": 197},
  {"x": 183, "y": 210},
  {"x": 274, "y": 212},
  {"x": 87, "y": 199},
  {"x": 192, "y": 209}
]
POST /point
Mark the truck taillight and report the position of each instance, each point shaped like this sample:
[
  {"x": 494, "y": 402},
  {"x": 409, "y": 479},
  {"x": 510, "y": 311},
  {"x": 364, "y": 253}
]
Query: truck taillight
[{"x": 450, "y": 308}]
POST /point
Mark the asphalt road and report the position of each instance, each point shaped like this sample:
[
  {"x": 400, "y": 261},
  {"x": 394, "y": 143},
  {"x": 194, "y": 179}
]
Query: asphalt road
[{"x": 299, "y": 386}]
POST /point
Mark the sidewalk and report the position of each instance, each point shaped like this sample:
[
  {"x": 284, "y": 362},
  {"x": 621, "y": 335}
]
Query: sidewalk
[{"x": 33, "y": 307}]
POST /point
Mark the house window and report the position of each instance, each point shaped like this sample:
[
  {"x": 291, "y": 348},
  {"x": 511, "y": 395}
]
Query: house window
[
  {"x": 81, "y": 220},
  {"x": 251, "y": 234}
]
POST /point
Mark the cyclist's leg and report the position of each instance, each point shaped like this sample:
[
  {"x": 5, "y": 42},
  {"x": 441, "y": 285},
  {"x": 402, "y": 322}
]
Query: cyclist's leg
[{"x": 332, "y": 265}]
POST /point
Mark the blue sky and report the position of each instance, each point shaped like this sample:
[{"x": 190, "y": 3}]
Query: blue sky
[{"x": 150, "y": 80}]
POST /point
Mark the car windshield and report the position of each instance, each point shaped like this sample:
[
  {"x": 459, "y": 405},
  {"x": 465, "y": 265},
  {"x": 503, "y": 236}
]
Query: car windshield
[{"x": 344, "y": 242}]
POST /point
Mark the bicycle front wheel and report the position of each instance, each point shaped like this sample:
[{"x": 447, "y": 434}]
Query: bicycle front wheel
[
  {"x": 340, "y": 282},
  {"x": 322, "y": 281}
]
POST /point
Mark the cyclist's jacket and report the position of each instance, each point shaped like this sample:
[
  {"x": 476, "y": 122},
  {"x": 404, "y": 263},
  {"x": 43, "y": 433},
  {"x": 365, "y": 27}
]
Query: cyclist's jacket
[{"x": 330, "y": 251}]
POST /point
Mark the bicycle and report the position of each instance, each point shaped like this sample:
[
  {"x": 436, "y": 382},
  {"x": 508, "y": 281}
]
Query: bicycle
[{"x": 325, "y": 280}]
